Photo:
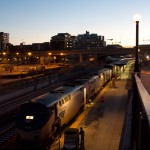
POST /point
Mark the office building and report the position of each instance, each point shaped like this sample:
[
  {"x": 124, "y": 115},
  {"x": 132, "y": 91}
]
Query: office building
[
  {"x": 90, "y": 41},
  {"x": 62, "y": 41}
]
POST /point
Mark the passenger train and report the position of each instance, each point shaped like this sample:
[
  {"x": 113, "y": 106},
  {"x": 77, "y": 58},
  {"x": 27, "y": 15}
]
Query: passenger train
[{"x": 36, "y": 120}]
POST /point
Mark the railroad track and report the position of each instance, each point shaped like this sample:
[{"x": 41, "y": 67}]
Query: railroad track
[
  {"x": 14, "y": 103},
  {"x": 7, "y": 135}
]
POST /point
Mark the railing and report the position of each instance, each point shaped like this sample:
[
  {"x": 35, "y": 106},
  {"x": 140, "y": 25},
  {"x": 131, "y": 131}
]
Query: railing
[{"x": 140, "y": 130}]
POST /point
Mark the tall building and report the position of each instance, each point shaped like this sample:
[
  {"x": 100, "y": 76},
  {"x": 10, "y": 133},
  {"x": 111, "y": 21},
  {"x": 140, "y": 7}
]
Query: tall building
[
  {"x": 4, "y": 41},
  {"x": 61, "y": 41},
  {"x": 90, "y": 41},
  {"x": 84, "y": 41}
]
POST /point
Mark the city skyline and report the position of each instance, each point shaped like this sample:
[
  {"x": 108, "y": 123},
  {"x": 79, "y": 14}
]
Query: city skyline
[{"x": 37, "y": 21}]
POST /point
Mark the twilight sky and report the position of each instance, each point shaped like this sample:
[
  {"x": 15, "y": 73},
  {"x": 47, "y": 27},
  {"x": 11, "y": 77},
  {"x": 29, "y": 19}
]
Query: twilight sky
[{"x": 36, "y": 21}]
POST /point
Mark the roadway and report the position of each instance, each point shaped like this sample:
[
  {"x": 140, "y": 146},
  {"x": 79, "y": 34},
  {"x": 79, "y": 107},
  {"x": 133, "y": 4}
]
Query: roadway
[
  {"x": 102, "y": 52},
  {"x": 103, "y": 121}
]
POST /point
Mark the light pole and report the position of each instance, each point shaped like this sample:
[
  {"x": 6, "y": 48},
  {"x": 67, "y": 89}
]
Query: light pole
[
  {"x": 29, "y": 54},
  {"x": 17, "y": 59},
  {"x": 135, "y": 98},
  {"x": 137, "y": 65}
]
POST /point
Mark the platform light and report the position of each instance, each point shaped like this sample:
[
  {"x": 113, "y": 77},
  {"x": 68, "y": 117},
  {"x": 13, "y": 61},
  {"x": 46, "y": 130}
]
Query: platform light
[{"x": 137, "y": 18}]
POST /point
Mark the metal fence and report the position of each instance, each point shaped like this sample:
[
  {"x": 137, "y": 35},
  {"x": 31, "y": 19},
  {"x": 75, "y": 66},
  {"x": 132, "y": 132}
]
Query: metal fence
[{"x": 140, "y": 130}]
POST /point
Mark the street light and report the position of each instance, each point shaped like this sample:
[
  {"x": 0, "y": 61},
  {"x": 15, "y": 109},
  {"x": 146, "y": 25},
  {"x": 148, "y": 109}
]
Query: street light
[
  {"x": 17, "y": 59},
  {"x": 50, "y": 54},
  {"x": 29, "y": 53},
  {"x": 136, "y": 65},
  {"x": 4, "y": 53}
]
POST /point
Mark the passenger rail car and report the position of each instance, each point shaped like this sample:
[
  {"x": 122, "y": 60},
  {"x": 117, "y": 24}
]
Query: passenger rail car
[
  {"x": 37, "y": 120},
  {"x": 105, "y": 75},
  {"x": 93, "y": 84}
]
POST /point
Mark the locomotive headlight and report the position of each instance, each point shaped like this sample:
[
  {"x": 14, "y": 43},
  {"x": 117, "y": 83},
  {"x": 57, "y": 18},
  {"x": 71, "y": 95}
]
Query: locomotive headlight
[{"x": 29, "y": 117}]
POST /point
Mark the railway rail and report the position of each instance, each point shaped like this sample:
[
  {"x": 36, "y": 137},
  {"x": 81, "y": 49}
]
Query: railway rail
[{"x": 7, "y": 134}]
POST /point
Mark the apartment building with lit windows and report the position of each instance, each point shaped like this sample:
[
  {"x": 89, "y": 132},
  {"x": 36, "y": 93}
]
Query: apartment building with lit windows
[
  {"x": 4, "y": 41},
  {"x": 82, "y": 41},
  {"x": 90, "y": 41}
]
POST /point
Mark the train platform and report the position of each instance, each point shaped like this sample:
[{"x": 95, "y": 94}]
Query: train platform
[{"x": 103, "y": 119}]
